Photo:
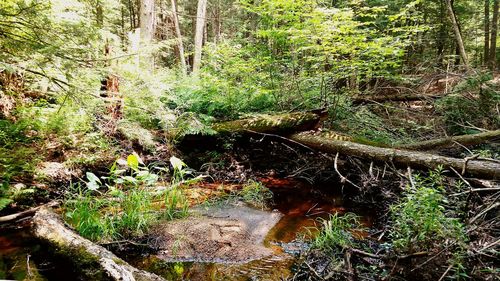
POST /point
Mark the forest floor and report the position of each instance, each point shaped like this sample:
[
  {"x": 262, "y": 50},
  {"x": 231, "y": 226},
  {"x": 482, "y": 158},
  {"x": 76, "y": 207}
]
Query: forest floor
[{"x": 307, "y": 186}]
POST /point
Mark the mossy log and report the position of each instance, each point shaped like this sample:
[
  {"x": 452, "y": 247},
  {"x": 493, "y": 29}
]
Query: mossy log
[
  {"x": 283, "y": 123},
  {"x": 449, "y": 141},
  {"x": 92, "y": 261},
  {"x": 420, "y": 160}
]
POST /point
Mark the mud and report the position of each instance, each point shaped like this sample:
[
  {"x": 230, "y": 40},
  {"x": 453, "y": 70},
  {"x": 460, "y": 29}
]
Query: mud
[{"x": 227, "y": 234}]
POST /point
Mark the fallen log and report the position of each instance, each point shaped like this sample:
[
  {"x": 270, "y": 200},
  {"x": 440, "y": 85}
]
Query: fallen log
[
  {"x": 283, "y": 123},
  {"x": 449, "y": 141},
  {"x": 362, "y": 99},
  {"x": 277, "y": 124},
  {"x": 92, "y": 261},
  {"x": 420, "y": 160}
]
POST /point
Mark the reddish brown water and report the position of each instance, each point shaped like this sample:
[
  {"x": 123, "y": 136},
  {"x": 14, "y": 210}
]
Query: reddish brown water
[{"x": 301, "y": 204}]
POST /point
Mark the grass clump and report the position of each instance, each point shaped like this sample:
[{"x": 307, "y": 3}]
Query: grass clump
[
  {"x": 255, "y": 193},
  {"x": 336, "y": 233}
]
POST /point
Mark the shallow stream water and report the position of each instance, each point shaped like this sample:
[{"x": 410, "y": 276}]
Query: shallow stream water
[{"x": 301, "y": 204}]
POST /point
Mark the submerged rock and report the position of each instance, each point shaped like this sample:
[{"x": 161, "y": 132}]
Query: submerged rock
[{"x": 228, "y": 234}]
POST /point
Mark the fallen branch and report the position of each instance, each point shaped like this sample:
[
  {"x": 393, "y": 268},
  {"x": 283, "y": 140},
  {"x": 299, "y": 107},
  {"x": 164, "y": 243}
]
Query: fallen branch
[
  {"x": 91, "y": 260},
  {"x": 420, "y": 160},
  {"x": 360, "y": 99},
  {"x": 23, "y": 214},
  {"x": 449, "y": 141}
]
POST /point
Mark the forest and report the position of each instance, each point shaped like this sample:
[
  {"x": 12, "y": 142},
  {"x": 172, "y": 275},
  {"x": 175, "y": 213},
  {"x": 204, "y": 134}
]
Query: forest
[{"x": 152, "y": 140}]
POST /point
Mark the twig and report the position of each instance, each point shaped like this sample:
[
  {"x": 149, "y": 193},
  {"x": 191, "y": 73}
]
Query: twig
[
  {"x": 366, "y": 254},
  {"x": 489, "y": 246},
  {"x": 281, "y": 137},
  {"x": 446, "y": 272},
  {"x": 467, "y": 159},
  {"x": 493, "y": 206},
  {"x": 342, "y": 178},
  {"x": 347, "y": 260},
  {"x": 314, "y": 271}
]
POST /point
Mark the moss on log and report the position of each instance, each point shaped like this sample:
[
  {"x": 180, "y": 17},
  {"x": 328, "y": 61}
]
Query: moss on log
[
  {"x": 92, "y": 261},
  {"x": 283, "y": 123},
  {"x": 420, "y": 160}
]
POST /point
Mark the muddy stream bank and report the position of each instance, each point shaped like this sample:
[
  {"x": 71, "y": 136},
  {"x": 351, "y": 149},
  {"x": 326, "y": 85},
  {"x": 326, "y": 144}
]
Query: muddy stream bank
[{"x": 269, "y": 240}]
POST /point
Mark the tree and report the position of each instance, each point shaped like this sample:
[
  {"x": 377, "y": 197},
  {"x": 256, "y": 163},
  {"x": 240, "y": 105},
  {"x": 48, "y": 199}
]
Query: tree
[
  {"x": 486, "y": 31},
  {"x": 494, "y": 30},
  {"x": 199, "y": 32},
  {"x": 458, "y": 34},
  {"x": 180, "y": 45},
  {"x": 147, "y": 20}
]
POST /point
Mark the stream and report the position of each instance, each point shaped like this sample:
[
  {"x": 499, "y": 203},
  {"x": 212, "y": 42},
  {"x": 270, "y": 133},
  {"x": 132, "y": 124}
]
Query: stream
[{"x": 301, "y": 206}]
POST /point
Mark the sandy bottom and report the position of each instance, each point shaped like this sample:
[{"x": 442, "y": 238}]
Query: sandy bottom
[{"x": 227, "y": 234}]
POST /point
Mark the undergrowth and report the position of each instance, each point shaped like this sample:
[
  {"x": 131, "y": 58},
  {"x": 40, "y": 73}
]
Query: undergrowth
[{"x": 123, "y": 204}]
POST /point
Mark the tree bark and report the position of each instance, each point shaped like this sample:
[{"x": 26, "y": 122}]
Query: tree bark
[
  {"x": 494, "y": 30},
  {"x": 91, "y": 260},
  {"x": 419, "y": 160},
  {"x": 361, "y": 99},
  {"x": 180, "y": 45},
  {"x": 486, "y": 32},
  {"x": 147, "y": 20},
  {"x": 458, "y": 34},
  {"x": 449, "y": 141},
  {"x": 198, "y": 38}
]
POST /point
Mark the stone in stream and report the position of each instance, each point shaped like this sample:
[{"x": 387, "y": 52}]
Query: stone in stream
[{"x": 228, "y": 234}]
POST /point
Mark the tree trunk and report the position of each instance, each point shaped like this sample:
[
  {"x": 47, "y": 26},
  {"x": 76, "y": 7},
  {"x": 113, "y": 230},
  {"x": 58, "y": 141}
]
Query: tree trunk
[
  {"x": 91, "y": 260},
  {"x": 494, "y": 30},
  {"x": 180, "y": 45},
  {"x": 458, "y": 35},
  {"x": 403, "y": 97},
  {"x": 198, "y": 38},
  {"x": 99, "y": 14},
  {"x": 449, "y": 141},
  {"x": 419, "y": 160},
  {"x": 147, "y": 20},
  {"x": 486, "y": 32}
]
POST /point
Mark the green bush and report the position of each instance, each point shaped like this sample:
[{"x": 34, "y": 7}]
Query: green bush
[{"x": 419, "y": 220}]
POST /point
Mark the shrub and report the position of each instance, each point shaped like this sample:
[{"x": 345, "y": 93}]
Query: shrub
[{"x": 419, "y": 221}]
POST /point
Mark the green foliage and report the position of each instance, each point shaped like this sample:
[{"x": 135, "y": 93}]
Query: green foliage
[
  {"x": 336, "y": 233},
  {"x": 126, "y": 207},
  {"x": 473, "y": 105},
  {"x": 176, "y": 204},
  {"x": 255, "y": 193},
  {"x": 420, "y": 222},
  {"x": 84, "y": 212}
]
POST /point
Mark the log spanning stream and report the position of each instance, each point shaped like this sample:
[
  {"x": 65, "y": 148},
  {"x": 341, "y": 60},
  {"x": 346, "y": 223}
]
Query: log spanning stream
[{"x": 299, "y": 205}]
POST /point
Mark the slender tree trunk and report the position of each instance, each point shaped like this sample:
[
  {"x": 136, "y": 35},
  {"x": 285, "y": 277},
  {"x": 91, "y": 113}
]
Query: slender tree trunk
[
  {"x": 217, "y": 23},
  {"x": 180, "y": 45},
  {"x": 442, "y": 35},
  {"x": 458, "y": 35},
  {"x": 486, "y": 31},
  {"x": 494, "y": 30},
  {"x": 198, "y": 38},
  {"x": 99, "y": 13},
  {"x": 147, "y": 20}
]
